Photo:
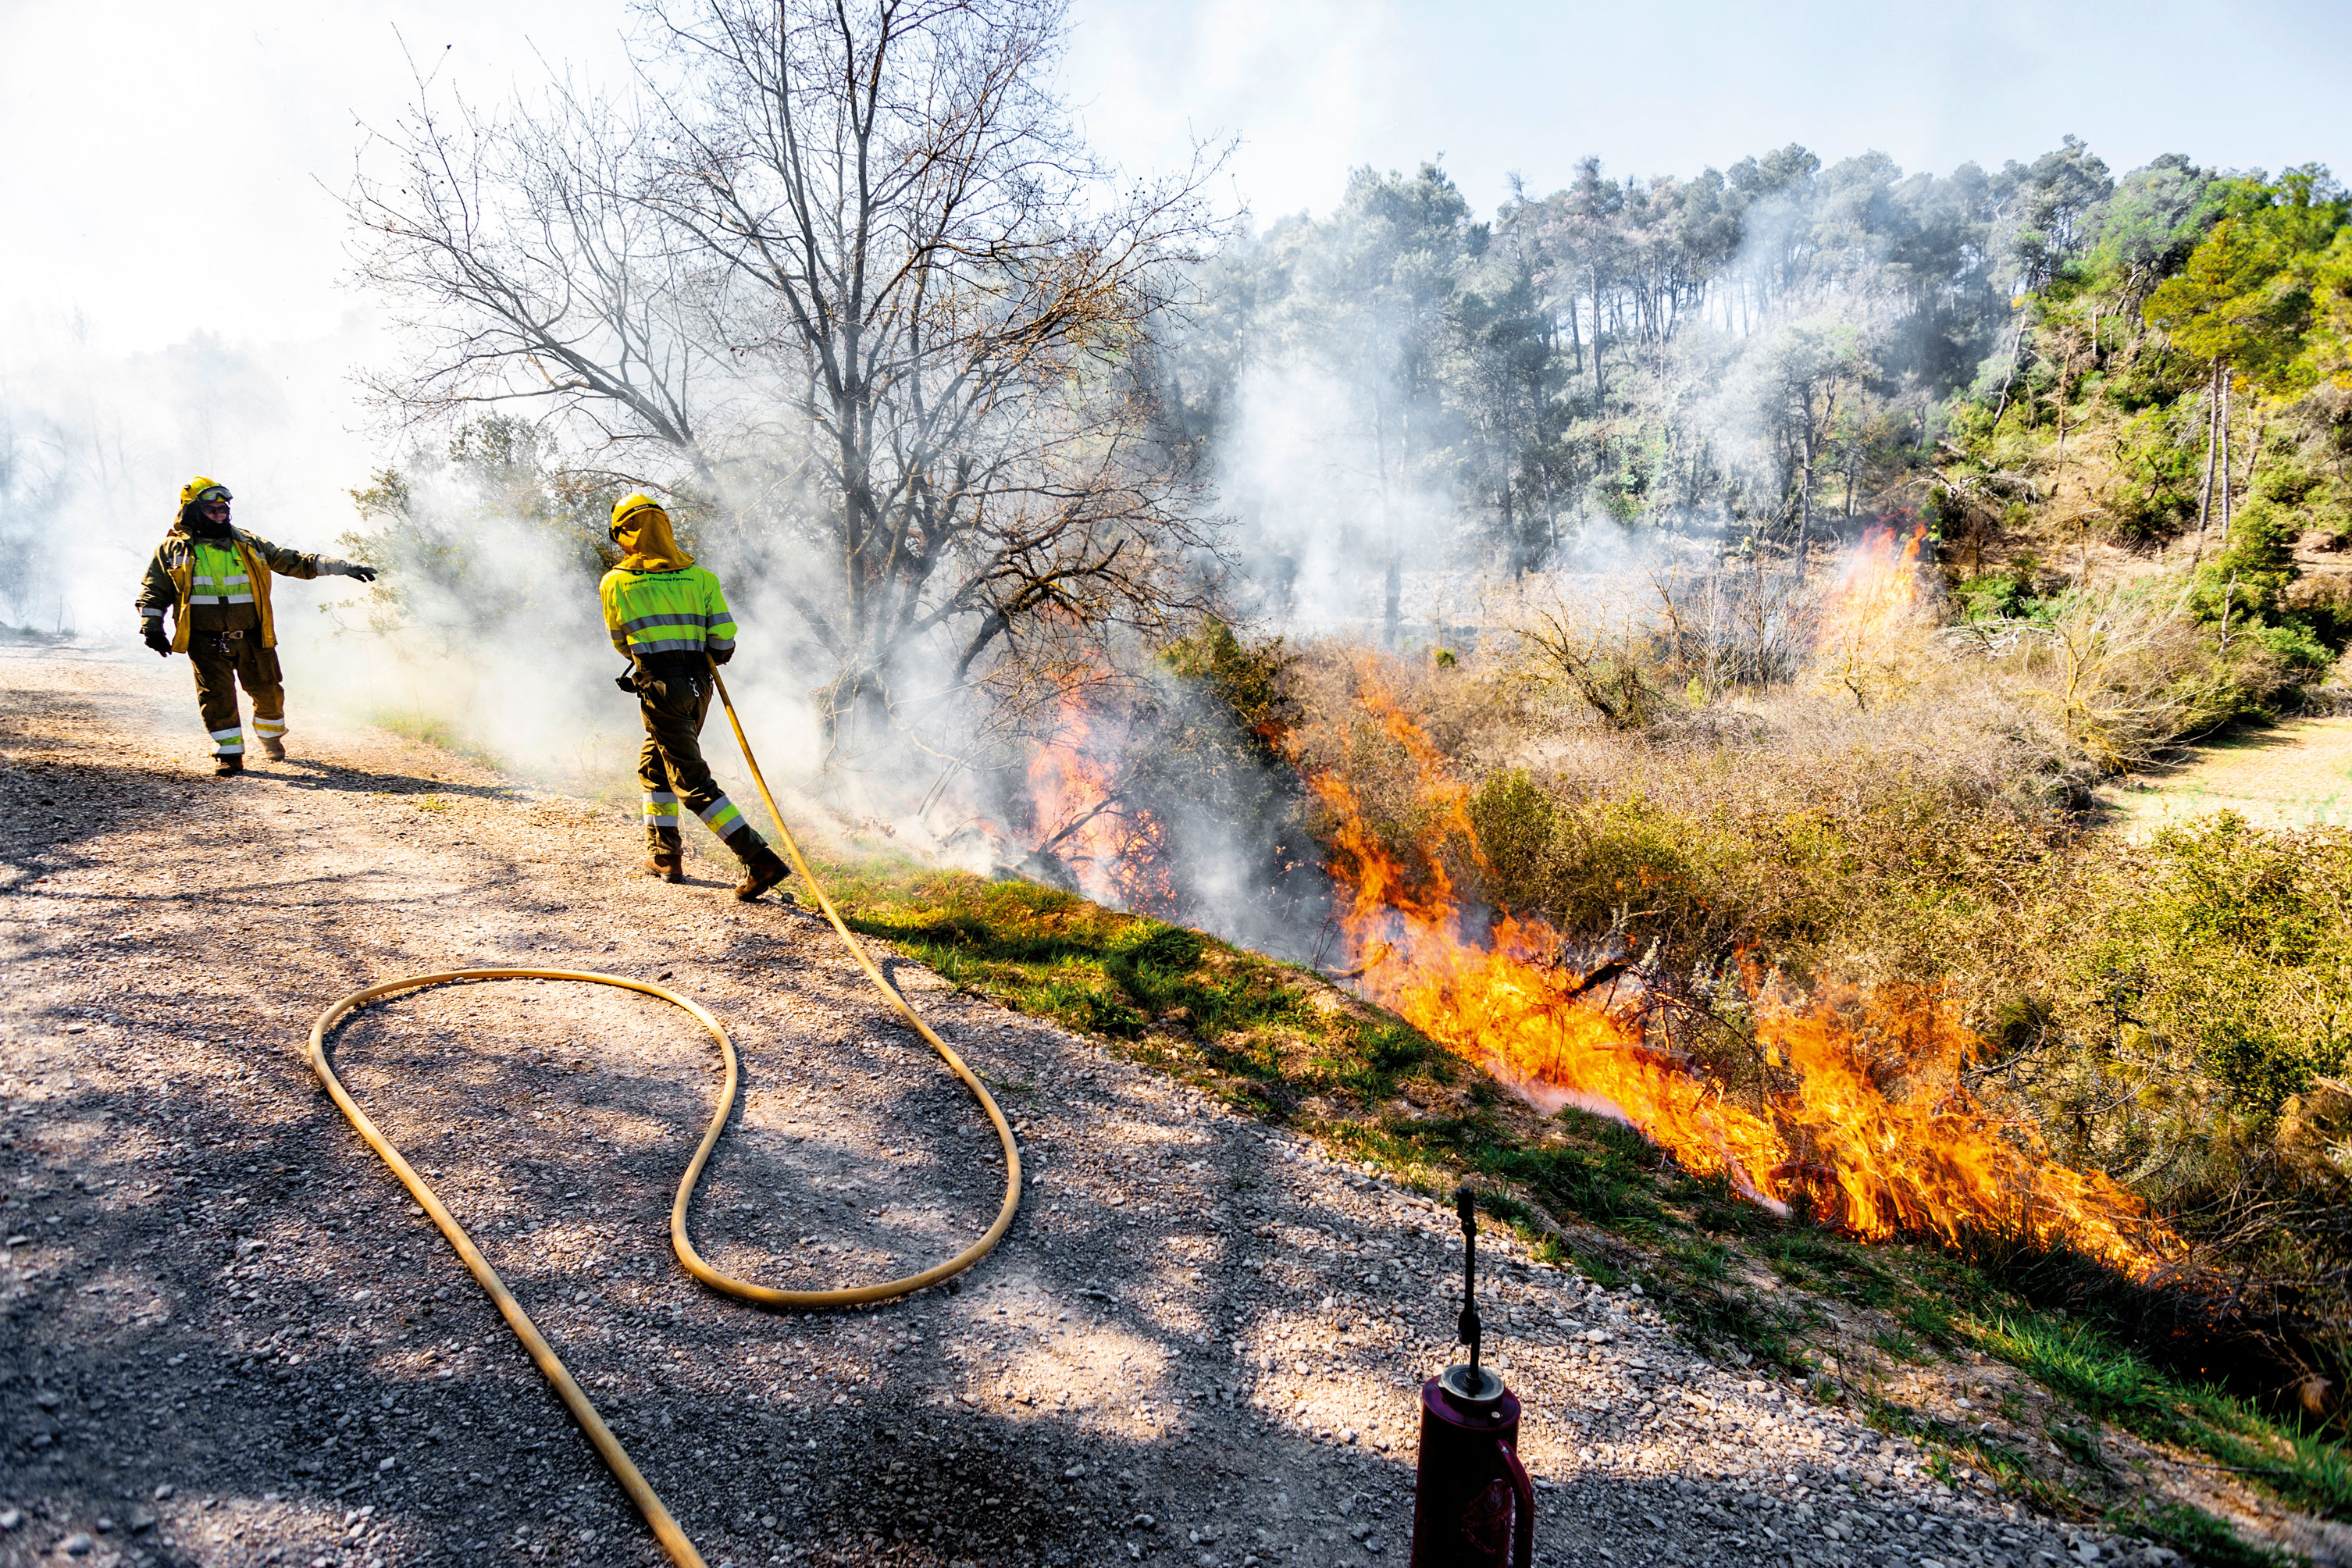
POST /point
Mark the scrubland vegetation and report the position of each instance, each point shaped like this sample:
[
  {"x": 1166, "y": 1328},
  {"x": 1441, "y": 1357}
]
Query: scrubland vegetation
[
  {"x": 1745, "y": 583},
  {"x": 2172, "y": 1012},
  {"x": 1722, "y": 776}
]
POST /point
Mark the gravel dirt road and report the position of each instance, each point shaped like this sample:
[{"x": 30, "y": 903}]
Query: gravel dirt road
[{"x": 226, "y": 1337}]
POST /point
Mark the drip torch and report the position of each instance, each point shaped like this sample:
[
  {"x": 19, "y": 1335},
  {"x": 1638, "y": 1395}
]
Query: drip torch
[{"x": 1473, "y": 1505}]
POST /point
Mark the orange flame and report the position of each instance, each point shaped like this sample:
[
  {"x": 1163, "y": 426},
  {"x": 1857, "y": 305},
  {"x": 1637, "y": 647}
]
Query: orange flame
[
  {"x": 1117, "y": 851},
  {"x": 1930, "y": 1160},
  {"x": 1877, "y": 592}
]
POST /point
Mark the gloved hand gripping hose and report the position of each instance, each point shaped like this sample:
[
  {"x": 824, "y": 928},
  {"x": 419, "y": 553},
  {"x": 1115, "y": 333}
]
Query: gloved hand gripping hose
[{"x": 608, "y": 1448}]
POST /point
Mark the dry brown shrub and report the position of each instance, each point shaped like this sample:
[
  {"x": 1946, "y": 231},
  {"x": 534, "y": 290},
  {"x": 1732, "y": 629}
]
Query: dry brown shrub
[{"x": 2120, "y": 671}]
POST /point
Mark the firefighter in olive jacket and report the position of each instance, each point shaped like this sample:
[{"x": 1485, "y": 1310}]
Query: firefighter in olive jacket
[
  {"x": 215, "y": 580},
  {"x": 670, "y": 617}
]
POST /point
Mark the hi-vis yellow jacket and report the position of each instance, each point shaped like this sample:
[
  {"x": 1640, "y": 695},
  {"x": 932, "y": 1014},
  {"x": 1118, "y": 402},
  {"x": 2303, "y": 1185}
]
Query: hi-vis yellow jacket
[
  {"x": 666, "y": 612},
  {"x": 173, "y": 574}
]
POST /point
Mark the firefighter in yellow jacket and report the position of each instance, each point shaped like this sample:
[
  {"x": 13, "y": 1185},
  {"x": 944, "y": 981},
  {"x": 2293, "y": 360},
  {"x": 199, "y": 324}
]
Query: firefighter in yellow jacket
[
  {"x": 215, "y": 580},
  {"x": 671, "y": 618}
]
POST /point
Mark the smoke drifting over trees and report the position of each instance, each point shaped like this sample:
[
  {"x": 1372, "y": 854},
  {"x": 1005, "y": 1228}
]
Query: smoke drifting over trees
[
  {"x": 850, "y": 289},
  {"x": 1753, "y": 352},
  {"x": 984, "y": 437}
]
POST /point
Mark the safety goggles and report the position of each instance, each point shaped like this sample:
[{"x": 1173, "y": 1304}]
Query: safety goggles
[{"x": 212, "y": 493}]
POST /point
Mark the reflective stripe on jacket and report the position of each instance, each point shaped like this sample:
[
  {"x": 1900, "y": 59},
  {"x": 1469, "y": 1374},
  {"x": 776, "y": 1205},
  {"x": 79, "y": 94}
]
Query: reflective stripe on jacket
[
  {"x": 220, "y": 576},
  {"x": 235, "y": 571},
  {"x": 666, "y": 612}
]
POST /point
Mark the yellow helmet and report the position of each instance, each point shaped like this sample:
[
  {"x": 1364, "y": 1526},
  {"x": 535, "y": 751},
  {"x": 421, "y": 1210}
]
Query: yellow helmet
[
  {"x": 635, "y": 502},
  {"x": 202, "y": 489}
]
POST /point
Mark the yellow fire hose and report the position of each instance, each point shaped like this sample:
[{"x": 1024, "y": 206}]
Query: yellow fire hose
[{"x": 608, "y": 1447}]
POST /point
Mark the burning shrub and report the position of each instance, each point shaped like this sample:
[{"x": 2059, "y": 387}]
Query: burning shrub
[
  {"x": 1871, "y": 619},
  {"x": 1163, "y": 790},
  {"x": 1383, "y": 794},
  {"x": 1863, "y": 1115}
]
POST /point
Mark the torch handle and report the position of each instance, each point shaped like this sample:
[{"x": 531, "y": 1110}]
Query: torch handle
[
  {"x": 1466, "y": 1205},
  {"x": 1523, "y": 1508}
]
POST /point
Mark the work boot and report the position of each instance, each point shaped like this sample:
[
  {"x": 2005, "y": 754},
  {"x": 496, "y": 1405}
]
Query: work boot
[
  {"x": 763, "y": 871},
  {"x": 273, "y": 748},
  {"x": 228, "y": 767},
  {"x": 666, "y": 864}
]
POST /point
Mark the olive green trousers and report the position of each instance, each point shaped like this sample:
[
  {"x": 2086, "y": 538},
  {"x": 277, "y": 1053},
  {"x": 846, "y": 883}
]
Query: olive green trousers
[
  {"x": 223, "y": 663},
  {"x": 671, "y": 769}
]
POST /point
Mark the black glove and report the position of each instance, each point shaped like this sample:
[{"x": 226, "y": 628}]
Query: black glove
[
  {"x": 722, "y": 655},
  {"x": 627, "y": 679},
  {"x": 362, "y": 574},
  {"x": 153, "y": 635}
]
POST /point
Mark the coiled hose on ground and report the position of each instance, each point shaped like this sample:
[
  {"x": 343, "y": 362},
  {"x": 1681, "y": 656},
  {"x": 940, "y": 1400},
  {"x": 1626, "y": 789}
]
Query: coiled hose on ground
[{"x": 608, "y": 1447}]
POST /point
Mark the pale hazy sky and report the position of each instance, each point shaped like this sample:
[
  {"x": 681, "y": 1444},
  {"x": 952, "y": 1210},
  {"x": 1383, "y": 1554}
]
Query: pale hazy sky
[{"x": 162, "y": 166}]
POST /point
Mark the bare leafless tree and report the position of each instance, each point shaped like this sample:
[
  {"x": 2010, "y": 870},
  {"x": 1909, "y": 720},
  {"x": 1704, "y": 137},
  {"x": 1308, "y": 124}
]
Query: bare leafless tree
[{"x": 847, "y": 276}]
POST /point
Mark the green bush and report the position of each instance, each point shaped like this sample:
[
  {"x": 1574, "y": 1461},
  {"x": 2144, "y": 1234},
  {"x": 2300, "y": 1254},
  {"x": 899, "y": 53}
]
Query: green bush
[
  {"x": 2231, "y": 948},
  {"x": 1996, "y": 597},
  {"x": 1516, "y": 823},
  {"x": 2156, "y": 493},
  {"x": 1249, "y": 681},
  {"x": 2288, "y": 484},
  {"x": 1103, "y": 1012},
  {"x": 2246, "y": 583},
  {"x": 1593, "y": 864},
  {"x": 1625, "y": 858},
  {"x": 2297, "y": 648}
]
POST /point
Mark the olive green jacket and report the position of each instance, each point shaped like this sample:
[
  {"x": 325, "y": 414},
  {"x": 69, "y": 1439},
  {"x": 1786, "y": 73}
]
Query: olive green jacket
[{"x": 173, "y": 568}]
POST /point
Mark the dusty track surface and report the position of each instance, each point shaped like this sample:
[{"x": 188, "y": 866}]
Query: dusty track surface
[
  {"x": 226, "y": 1338},
  {"x": 2296, "y": 774}
]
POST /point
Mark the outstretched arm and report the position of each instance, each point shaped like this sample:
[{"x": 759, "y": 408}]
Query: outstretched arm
[{"x": 303, "y": 563}]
